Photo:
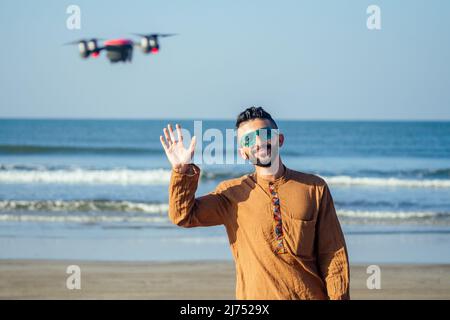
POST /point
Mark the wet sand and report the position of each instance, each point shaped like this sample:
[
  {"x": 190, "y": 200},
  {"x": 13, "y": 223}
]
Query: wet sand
[{"x": 36, "y": 279}]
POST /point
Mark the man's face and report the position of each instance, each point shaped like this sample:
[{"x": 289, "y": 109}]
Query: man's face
[{"x": 258, "y": 143}]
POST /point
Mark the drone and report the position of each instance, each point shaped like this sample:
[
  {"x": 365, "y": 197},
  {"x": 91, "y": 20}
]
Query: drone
[{"x": 119, "y": 50}]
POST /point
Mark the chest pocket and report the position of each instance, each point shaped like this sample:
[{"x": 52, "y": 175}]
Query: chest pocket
[
  {"x": 301, "y": 206},
  {"x": 300, "y": 236}
]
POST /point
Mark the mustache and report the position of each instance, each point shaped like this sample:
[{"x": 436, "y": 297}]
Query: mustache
[
  {"x": 255, "y": 160},
  {"x": 267, "y": 147}
]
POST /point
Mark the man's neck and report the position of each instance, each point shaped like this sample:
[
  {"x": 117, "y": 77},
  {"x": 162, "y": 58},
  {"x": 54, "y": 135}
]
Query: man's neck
[{"x": 273, "y": 172}]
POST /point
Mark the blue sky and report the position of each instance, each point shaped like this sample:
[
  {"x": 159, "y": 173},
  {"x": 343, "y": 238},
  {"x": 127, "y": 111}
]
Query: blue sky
[{"x": 299, "y": 59}]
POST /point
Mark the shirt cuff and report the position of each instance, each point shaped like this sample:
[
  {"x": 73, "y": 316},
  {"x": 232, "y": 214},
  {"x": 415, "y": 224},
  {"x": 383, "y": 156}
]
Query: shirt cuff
[{"x": 192, "y": 171}]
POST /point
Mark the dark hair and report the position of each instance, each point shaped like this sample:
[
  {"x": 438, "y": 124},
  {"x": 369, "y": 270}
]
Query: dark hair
[{"x": 254, "y": 113}]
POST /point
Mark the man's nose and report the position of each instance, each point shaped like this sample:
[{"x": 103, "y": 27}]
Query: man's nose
[{"x": 258, "y": 142}]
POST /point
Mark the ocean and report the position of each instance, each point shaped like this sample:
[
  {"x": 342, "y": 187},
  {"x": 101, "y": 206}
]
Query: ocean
[{"x": 97, "y": 189}]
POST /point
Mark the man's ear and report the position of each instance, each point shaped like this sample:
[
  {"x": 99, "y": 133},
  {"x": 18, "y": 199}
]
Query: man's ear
[
  {"x": 243, "y": 154},
  {"x": 280, "y": 139}
]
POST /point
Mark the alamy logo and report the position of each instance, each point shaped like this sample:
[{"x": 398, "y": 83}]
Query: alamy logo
[
  {"x": 374, "y": 280},
  {"x": 74, "y": 280},
  {"x": 374, "y": 19},
  {"x": 73, "y": 22}
]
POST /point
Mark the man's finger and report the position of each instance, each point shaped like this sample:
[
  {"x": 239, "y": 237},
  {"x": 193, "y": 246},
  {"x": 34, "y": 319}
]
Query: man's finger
[
  {"x": 163, "y": 142},
  {"x": 172, "y": 136},
  {"x": 166, "y": 134},
  {"x": 179, "y": 133}
]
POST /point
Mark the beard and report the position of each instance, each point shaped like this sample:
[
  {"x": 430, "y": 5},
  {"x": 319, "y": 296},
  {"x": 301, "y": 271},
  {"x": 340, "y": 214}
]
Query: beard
[{"x": 262, "y": 161}]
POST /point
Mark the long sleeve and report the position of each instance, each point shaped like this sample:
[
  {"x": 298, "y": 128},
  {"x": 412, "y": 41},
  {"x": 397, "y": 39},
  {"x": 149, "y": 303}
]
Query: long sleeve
[
  {"x": 187, "y": 211},
  {"x": 331, "y": 250}
]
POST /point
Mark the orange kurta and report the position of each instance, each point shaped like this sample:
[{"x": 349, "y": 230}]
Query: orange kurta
[{"x": 313, "y": 262}]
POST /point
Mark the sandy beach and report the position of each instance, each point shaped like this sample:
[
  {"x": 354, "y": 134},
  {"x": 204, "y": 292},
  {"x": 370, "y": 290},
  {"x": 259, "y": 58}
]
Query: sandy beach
[{"x": 36, "y": 279}]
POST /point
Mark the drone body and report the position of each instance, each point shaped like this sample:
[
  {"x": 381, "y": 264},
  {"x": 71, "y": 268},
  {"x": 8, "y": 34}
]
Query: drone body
[{"x": 119, "y": 50}]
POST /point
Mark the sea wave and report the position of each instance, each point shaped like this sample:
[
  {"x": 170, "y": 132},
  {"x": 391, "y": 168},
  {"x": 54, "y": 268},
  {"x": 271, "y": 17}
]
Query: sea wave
[
  {"x": 22, "y": 174},
  {"x": 82, "y": 206},
  {"x": 117, "y": 176},
  {"x": 84, "y": 176},
  {"x": 418, "y": 173},
  {"x": 409, "y": 173},
  {"x": 129, "y": 211},
  {"x": 387, "y": 182},
  {"x": 347, "y": 216},
  {"x": 85, "y": 219},
  {"x": 392, "y": 215}
]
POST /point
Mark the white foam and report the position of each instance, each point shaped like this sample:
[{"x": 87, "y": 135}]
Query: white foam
[
  {"x": 82, "y": 206},
  {"x": 387, "y": 182},
  {"x": 81, "y": 218},
  {"x": 162, "y": 177},
  {"x": 391, "y": 214},
  {"x": 83, "y": 176},
  {"x": 72, "y": 211}
]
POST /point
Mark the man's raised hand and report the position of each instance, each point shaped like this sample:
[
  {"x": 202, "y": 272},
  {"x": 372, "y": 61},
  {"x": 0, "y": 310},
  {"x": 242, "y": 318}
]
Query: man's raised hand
[{"x": 178, "y": 155}]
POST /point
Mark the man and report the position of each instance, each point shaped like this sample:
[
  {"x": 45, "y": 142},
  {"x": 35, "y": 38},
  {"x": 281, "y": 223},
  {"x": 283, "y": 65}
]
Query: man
[{"x": 282, "y": 226}]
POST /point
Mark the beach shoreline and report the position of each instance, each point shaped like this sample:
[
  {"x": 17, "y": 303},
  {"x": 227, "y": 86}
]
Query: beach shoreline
[{"x": 46, "y": 279}]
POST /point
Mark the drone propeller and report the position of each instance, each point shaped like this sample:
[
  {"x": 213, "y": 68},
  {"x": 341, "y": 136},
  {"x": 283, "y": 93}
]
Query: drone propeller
[
  {"x": 72, "y": 43},
  {"x": 87, "y": 47},
  {"x": 82, "y": 40},
  {"x": 149, "y": 42},
  {"x": 151, "y": 35}
]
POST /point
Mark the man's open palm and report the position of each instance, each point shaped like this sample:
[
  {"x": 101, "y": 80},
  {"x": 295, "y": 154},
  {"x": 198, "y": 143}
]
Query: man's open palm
[{"x": 177, "y": 154}]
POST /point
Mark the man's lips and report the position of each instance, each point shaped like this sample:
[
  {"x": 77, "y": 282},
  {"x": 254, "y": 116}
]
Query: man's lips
[{"x": 263, "y": 151}]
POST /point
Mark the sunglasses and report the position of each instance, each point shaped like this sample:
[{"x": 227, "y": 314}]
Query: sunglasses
[{"x": 249, "y": 140}]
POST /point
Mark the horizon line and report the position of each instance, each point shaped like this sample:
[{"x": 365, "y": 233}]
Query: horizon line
[{"x": 222, "y": 119}]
